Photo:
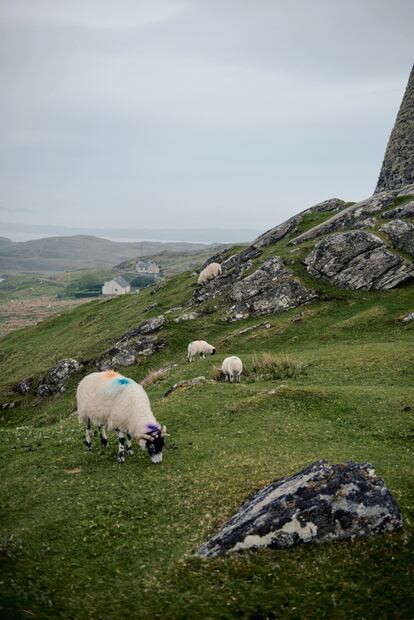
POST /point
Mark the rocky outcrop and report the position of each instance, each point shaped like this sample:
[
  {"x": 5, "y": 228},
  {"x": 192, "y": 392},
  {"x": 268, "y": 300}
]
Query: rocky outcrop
[
  {"x": 184, "y": 385},
  {"x": 270, "y": 288},
  {"x": 319, "y": 504},
  {"x": 55, "y": 380},
  {"x": 277, "y": 233},
  {"x": 401, "y": 234},
  {"x": 128, "y": 352},
  {"x": 332, "y": 204},
  {"x": 357, "y": 260},
  {"x": 404, "y": 210},
  {"x": 147, "y": 327},
  {"x": 398, "y": 166},
  {"x": 187, "y": 316},
  {"x": 354, "y": 216}
]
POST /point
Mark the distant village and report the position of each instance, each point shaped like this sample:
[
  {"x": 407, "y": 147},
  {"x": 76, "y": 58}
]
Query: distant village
[{"x": 119, "y": 286}]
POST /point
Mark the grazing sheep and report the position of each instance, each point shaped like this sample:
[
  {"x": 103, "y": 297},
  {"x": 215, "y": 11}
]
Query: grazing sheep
[
  {"x": 232, "y": 368},
  {"x": 112, "y": 401},
  {"x": 209, "y": 273},
  {"x": 201, "y": 348}
]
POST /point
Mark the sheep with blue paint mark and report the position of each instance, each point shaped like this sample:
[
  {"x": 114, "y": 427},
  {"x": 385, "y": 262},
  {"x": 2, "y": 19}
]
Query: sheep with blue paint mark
[{"x": 114, "y": 402}]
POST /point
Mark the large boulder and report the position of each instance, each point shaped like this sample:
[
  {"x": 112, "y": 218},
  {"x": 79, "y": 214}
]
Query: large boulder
[
  {"x": 401, "y": 234},
  {"x": 321, "y": 503},
  {"x": 128, "y": 352},
  {"x": 270, "y": 288},
  {"x": 357, "y": 260}
]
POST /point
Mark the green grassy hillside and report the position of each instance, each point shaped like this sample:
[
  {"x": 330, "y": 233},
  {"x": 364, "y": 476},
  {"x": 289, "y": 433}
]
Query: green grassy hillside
[{"x": 83, "y": 537}]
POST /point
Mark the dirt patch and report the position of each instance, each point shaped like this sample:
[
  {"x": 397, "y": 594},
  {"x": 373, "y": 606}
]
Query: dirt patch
[{"x": 18, "y": 313}]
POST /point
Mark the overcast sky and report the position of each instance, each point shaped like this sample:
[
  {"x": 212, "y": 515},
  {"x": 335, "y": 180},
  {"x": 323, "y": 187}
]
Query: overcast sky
[{"x": 194, "y": 113}]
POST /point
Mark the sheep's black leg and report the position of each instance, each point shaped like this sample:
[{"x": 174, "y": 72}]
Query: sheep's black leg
[
  {"x": 88, "y": 441},
  {"x": 104, "y": 438},
  {"x": 130, "y": 451},
  {"x": 121, "y": 447}
]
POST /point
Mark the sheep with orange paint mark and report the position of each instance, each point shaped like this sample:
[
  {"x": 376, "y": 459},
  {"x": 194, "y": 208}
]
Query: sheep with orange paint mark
[{"x": 114, "y": 402}]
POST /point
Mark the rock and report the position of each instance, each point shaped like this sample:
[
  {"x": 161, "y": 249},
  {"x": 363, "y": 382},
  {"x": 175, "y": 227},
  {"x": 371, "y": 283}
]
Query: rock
[
  {"x": 187, "y": 316},
  {"x": 332, "y": 204},
  {"x": 351, "y": 217},
  {"x": 247, "y": 330},
  {"x": 148, "y": 327},
  {"x": 126, "y": 353},
  {"x": 269, "y": 289},
  {"x": 25, "y": 386},
  {"x": 55, "y": 380},
  {"x": 357, "y": 260},
  {"x": 401, "y": 234},
  {"x": 277, "y": 233},
  {"x": 216, "y": 258},
  {"x": 9, "y": 405},
  {"x": 404, "y": 210},
  {"x": 183, "y": 385},
  {"x": 150, "y": 307},
  {"x": 319, "y": 504},
  {"x": 408, "y": 317},
  {"x": 407, "y": 190},
  {"x": 398, "y": 165}
]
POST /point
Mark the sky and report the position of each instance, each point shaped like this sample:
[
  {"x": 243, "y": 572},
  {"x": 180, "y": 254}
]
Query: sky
[{"x": 194, "y": 113}]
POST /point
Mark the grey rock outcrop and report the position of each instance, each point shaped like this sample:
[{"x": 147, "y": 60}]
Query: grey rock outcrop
[
  {"x": 25, "y": 386},
  {"x": 270, "y": 288},
  {"x": 55, "y": 380},
  {"x": 147, "y": 327},
  {"x": 185, "y": 384},
  {"x": 319, "y": 504},
  {"x": 350, "y": 217},
  {"x": 357, "y": 260},
  {"x": 127, "y": 353},
  {"x": 404, "y": 210},
  {"x": 401, "y": 234},
  {"x": 277, "y": 233},
  {"x": 398, "y": 165}
]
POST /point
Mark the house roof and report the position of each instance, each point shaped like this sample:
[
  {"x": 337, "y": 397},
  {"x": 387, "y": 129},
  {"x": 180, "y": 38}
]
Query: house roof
[{"x": 121, "y": 281}]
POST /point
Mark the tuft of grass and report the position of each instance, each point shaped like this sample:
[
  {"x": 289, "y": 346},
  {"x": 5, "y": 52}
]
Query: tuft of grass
[
  {"x": 271, "y": 366},
  {"x": 216, "y": 374}
]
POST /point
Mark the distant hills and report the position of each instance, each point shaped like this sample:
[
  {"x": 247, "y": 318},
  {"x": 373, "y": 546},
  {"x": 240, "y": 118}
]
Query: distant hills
[{"x": 53, "y": 254}]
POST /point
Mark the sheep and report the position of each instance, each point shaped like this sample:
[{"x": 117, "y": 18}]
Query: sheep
[
  {"x": 201, "y": 348},
  {"x": 114, "y": 402},
  {"x": 209, "y": 273},
  {"x": 232, "y": 367}
]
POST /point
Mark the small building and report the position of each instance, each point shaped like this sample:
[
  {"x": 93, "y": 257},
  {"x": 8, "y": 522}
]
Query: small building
[
  {"x": 117, "y": 286},
  {"x": 147, "y": 267}
]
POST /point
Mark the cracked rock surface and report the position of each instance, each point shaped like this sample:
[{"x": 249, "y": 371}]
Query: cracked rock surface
[
  {"x": 321, "y": 503},
  {"x": 401, "y": 234},
  {"x": 357, "y": 260}
]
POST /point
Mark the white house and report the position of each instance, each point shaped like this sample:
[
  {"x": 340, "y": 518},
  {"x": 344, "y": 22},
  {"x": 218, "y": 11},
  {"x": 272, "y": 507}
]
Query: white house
[
  {"x": 117, "y": 286},
  {"x": 148, "y": 267}
]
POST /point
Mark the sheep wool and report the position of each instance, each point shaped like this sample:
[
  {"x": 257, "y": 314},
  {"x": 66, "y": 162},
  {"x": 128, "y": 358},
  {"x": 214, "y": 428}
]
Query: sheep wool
[
  {"x": 232, "y": 368},
  {"x": 201, "y": 348},
  {"x": 209, "y": 273},
  {"x": 114, "y": 402}
]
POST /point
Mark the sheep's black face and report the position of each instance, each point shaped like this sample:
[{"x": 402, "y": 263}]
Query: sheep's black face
[
  {"x": 213, "y": 351},
  {"x": 155, "y": 447}
]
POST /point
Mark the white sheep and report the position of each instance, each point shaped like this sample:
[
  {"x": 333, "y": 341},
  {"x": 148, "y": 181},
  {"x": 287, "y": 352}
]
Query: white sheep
[
  {"x": 112, "y": 401},
  {"x": 201, "y": 348},
  {"x": 232, "y": 368},
  {"x": 209, "y": 273}
]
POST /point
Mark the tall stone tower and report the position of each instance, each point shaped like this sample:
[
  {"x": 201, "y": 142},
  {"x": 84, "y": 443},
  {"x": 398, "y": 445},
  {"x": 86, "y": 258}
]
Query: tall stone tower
[{"x": 398, "y": 165}]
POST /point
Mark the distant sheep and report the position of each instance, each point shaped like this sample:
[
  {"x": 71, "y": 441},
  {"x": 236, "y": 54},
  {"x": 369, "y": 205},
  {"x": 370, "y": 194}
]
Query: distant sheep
[
  {"x": 112, "y": 401},
  {"x": 201, "y": 348},
  {"x": 232, "y": 368},
  {"x": 209, "y": 273}
]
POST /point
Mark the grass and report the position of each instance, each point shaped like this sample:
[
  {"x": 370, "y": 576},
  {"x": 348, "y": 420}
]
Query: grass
[{"x": 83, "y": 537}]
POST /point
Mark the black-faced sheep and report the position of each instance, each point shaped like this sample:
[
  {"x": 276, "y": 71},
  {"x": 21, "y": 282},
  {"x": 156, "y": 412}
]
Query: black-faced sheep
[
  {"x": 201, "y": 348},
  {"x": 114, "y": 402}
]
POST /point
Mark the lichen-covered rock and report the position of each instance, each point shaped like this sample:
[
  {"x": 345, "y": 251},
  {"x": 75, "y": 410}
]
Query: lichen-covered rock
[
  {"x": 404, "y": 210},
  {"x": 401, "y": 234},
  {"x": 55, "y": 380},
  {"x": 332, "y": 204},
  {"x": 408, "y": 317},
  {"x": 147, "y": 327},
  {"x": 357, "y": 260},
  {"x": 349, "y": 217},
  {"x": 25, "y": 386},
  {"x": 270, "y": 288},
  {"x": 127, "y": 353},
  {"x": 183, "y": 385},
  {"x": 321, "y": 503},
  {"x": 278, "y": 232},
  {"x": 186, "y": 316}
]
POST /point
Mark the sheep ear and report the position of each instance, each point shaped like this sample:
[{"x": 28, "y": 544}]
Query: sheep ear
[{"x": 163, "y": 431}]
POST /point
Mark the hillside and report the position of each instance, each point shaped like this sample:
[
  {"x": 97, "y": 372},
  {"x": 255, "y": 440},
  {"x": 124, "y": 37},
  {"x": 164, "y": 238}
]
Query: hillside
[
  {"x": 340, "y": 387},
  {"x": 53, "y": 254}
]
